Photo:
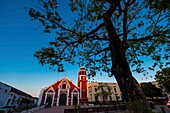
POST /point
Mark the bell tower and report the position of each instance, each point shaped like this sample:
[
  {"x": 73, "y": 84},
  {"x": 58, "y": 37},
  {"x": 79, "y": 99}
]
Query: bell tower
[{"x": 82, "y": 84}]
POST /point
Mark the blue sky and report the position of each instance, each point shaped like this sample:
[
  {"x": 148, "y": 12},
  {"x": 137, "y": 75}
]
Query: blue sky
[{"x": 19, "y": 40}]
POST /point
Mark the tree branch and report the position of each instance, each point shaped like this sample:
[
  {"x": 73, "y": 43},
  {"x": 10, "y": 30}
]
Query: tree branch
[
  {"x": 63, "y": 27},
  {"x": 99, "y": 38},
  {"x": 125, "y": 32},
  {"x": 134, "y": 14},
  {"x": 114, "y": 4},
  {"x": 68, "y": 45},
  {"x": 163, "y": 18},
  {"x": 105, "y": 49},
  {"x": 96, "y": 29},
  {"x": 142, "y": 39}
]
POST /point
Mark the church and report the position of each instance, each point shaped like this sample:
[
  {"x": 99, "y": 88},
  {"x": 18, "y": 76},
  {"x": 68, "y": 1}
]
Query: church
[{"x": 65, "y": 92}]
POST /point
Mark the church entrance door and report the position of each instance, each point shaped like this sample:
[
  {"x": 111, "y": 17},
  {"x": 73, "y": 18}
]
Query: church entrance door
[
  {"x": 74, "y": 100},
  {"x": 49, "y": 101},
  {"x": 62, "y": 100}
]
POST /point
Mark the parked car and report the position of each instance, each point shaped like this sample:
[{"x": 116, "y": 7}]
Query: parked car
[{"x": 7, "y": 109}]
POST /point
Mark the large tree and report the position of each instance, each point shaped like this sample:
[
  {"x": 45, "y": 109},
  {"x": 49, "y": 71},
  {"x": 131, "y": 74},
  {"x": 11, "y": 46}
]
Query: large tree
[{"x": 107, "y": 36}]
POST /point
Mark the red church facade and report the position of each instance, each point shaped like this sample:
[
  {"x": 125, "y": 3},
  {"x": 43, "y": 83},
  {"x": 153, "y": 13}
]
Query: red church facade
[{"x": 65, "y": 92}]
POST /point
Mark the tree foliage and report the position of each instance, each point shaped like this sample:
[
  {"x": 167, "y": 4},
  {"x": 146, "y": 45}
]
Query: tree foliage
[
  {"x": 163, "y": 78},
  {"x": 159, "y": 4},
  {"x": 142, "y": 31},
  {"x": 151, "y": 90},
  {"x": 103, "y": 90}
]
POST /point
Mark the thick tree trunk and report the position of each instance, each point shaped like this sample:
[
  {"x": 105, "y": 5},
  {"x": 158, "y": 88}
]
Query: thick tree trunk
[{"x": 131, "y": 91}]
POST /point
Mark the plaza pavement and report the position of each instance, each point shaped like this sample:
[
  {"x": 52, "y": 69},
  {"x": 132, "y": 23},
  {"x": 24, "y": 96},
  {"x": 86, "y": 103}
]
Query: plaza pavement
[
  {"x": 54, "y": 109},
  {"x": 158, "y": 108},
  {"x": 60, "y": 109}
]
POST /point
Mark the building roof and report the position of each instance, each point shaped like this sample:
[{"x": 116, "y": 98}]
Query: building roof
[
  {"x": 57, "y": 83},
  {"x": 17, "y": 91}
]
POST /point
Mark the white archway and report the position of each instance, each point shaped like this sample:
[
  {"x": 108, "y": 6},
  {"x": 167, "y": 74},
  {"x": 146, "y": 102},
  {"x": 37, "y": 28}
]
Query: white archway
[{"x": 51, "y": 93}]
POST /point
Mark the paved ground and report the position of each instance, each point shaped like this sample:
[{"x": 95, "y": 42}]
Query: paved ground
[
  {"x": 158, "y": 108},
  {"x": 60, "y": 109},
  {"x": 54, "y": 109}
]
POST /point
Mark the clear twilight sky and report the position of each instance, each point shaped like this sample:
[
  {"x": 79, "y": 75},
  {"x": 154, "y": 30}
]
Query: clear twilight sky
[{"x": 20, "y": 38}]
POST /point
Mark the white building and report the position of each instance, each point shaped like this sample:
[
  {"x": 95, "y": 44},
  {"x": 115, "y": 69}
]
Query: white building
[
  {"x": 10, "y": 96},
  {"x": 94, "y": 91}
]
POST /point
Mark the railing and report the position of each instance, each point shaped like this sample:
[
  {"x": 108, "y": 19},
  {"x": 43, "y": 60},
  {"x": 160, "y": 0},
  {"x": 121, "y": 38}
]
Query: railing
[{"x": 97, "y": 109}]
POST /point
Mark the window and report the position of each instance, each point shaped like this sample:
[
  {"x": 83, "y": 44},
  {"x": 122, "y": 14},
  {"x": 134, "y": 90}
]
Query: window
[
  {"x": 12, "y": 101},
  {"x": 9, "y": 100},
  {"x": 50, "y": 91},
  {"x": 64, "y": 86},
  {"x": 18, "y": 100},
  {"x": 96, "y": 89},
  {"x": 96, "y": 98},
  {"x": 115, "y": 90},
  {"x": 110, "y": 98}
]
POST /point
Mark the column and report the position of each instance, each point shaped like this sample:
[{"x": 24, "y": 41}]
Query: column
[
  {"x": 67, "y": 96},
  {"x": 58, "y": 96},
  {"x": 78, "y": 100},
  {"x": 40, "y": 97},
  {"x": 45, "y": 97},
  {"x": 80, "y": 89},
  {"x": 53, "y": 98},
  {"x": 71, "y": 98}
]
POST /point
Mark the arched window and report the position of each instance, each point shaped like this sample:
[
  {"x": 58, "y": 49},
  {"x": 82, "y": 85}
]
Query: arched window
[
  {"x": 64, "y": 86},
  {"x": 50, "y": 91},
  {"x": 75, "y": 91}
]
